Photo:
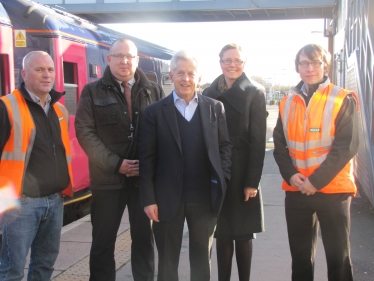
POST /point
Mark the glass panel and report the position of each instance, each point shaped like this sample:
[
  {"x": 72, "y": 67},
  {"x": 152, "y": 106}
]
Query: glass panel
[
  {"x": 71, "y": 94},
  {"x": 154, "y": 0},
  {"x": 49, "y": 2},
  {"x": 80, "y": 1},
  {"x": 119, "y": 1}
]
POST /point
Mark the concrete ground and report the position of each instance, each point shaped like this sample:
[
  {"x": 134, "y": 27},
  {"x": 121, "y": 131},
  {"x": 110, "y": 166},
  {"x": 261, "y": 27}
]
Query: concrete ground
[{"x": 271, "y": 257}]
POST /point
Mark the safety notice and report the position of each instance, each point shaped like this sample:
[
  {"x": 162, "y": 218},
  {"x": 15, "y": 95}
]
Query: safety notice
[{"x": 20, "y": 38}]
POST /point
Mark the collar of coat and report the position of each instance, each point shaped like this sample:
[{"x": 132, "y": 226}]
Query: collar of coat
[
  {"x": 55, "y": 96},
  {"x": 141, "y": 80},
  {"x": 235, "y": 96},
  {"x": 319, "y": 86}
]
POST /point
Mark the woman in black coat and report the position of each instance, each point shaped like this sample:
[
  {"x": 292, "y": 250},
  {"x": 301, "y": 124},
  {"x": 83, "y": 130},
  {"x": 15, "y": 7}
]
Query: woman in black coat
[{"x": 242, "y": 213}]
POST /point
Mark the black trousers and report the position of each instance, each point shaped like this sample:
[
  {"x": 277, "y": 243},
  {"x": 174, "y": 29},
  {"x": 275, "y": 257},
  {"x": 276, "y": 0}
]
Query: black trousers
[
  {"x": 107, "y": 208},
  {"x": 168, "y": 236},
  {"x": 332, "y": 212}
]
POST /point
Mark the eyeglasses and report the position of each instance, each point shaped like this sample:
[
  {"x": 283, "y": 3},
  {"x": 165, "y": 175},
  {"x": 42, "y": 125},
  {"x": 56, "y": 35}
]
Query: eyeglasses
[
  {"x": 236, "y": 62},
  {"x": 122, "y": 56},
  {"x": 315, "y": 64}
]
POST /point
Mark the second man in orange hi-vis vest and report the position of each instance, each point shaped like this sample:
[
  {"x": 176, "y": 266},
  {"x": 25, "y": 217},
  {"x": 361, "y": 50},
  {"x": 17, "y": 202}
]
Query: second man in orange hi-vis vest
[
  {"x": 315, "y": 140},
  {"x": 36, "y": 162}
]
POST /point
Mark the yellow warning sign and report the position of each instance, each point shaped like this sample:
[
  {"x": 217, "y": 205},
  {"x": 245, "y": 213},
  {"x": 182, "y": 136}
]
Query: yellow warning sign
[{"x": 20, "y": 38}]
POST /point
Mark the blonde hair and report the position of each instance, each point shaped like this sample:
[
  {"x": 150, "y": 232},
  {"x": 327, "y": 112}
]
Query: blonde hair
[{"x": 229, "y": 47}]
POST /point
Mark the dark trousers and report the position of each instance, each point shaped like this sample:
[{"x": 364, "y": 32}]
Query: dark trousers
[
  {"x": 303, "y": 213},
  {"x": 107, "y": 208},
  {"x": 168, "y": 236}
]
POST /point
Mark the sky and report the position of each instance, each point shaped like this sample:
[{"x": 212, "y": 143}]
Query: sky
[{"x": 270, "y": 46}]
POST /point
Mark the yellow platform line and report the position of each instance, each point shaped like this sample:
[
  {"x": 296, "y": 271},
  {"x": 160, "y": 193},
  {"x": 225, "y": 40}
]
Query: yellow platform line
[{"x": 81, "y": 272}]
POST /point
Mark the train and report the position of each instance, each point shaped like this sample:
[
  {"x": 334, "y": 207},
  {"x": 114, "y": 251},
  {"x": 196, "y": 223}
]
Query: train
[{"x": 78, "y": 48}]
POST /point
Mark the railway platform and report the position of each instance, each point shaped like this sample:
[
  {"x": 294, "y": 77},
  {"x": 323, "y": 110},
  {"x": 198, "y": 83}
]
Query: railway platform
[{"x": 271, "y": 258}]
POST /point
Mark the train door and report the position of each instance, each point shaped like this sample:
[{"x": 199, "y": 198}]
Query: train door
[
  {"x": 6, "y": 54},
  {"x": 4, "y": 75},
  {"x": 71, "y": 77},
  {"x": 166, "y": 83},
  {"x": 2, "y": 92},
  {"x": 148, "y": 67},
  {"x": 71, "y": 86}
]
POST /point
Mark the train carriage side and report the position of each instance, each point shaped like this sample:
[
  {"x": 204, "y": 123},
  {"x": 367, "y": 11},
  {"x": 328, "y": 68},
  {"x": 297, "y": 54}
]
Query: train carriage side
[
  {"x": 79, "y": 50},
  {"x": 154, "y": 59},
  {"x": 44, "y": 31},
  {"x": 6, "y": 53}
]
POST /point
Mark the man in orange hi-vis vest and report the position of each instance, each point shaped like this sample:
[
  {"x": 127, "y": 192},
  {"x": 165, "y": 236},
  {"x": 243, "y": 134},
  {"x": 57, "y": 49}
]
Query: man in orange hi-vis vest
[
  {"x": 315, "y": 140},
  {"x": 36, "y": 161}
]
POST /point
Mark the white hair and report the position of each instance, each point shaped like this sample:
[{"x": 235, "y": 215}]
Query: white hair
[
  {"x": 182, "y": 55},
  {"x": 29, "y": 56}
]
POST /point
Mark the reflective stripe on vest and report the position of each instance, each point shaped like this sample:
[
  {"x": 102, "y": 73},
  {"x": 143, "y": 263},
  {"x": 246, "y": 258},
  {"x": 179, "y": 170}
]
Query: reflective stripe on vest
[
  {"x": 17, "y": 150},
  {"x": 63, "y": 117},
  {"x": 310, "y": 132}
]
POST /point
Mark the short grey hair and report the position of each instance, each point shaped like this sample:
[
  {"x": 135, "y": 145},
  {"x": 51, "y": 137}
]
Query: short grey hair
[
  {"x": 182, "y": 55},
  {"x": 29, "y": 56}
]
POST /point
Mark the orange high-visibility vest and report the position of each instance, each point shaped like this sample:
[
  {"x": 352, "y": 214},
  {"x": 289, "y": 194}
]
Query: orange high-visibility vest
[
  {"x": 310, "y": 131},
  {"x": 17, "y": 150}
]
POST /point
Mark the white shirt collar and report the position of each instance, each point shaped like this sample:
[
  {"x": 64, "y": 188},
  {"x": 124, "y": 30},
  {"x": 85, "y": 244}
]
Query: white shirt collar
[
  {"x": 131, "y": 82},
  {"x": 176, "y": 97},
  {"x": 36, "y": 99}
]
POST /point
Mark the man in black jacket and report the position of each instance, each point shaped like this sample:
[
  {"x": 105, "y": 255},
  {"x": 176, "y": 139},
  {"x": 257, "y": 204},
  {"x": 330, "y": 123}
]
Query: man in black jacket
[
  {"x": 184, "y": 167},
  {"x": 36, "y": 160},
  {"x": 108, "y": 121}
]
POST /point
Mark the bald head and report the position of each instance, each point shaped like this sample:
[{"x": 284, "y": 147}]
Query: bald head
[
  {"x": 129, "y": 43},
  {"x": 38, "y": 73},
  {"x": 123, "y": 59},
  {"x": 31, "y": 56}
]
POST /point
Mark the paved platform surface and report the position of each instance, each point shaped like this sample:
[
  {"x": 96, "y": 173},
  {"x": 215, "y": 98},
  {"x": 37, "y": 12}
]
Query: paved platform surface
[{"x": 271, "y": 257}]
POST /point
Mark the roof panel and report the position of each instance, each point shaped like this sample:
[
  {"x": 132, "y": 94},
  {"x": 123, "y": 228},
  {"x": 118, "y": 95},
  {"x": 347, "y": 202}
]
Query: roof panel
[{"x": 211, "y": 15}]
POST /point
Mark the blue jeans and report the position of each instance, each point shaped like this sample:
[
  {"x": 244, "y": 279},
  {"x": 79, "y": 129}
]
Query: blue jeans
[{"x": 36, "y": 225}]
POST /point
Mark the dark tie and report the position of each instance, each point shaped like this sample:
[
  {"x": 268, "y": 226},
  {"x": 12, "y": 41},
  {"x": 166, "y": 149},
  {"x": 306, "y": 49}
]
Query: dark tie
[{"x": 128, "y": 98}]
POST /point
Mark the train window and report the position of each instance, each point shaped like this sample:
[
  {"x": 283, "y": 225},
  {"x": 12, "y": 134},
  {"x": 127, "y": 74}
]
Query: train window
[
  {"x": 93, "y": 70},
  {"x": 3, "y": 64},
  {"x": 71, "y": 86},
  {"x": 1, "y": 80},
  {"x": 70, "y": 73}
]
